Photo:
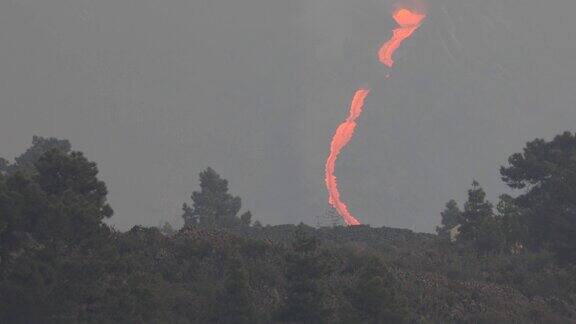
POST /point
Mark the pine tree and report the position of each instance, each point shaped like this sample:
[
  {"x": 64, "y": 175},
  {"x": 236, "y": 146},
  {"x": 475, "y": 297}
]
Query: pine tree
[
  {"x": 480, "y": 229},
  {"x": 71, "y": 179},
  {"x": 546, "y": 173},
  {"x": 26, "y": 161},
  {"x": 190, "y": 219},
  {"x": 213, "y": 205},
  {"x": 451, "y": 218},
  {"x": 476, "y": 207}
]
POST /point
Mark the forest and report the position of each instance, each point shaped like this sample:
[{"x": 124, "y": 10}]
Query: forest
[{"x": 509, "y": 261}]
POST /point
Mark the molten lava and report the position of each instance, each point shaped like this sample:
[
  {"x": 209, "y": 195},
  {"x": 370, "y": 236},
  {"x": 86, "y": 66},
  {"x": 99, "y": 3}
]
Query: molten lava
[
  {"x": 409, "y": 21},
  {"x": 343, "y": 135}
]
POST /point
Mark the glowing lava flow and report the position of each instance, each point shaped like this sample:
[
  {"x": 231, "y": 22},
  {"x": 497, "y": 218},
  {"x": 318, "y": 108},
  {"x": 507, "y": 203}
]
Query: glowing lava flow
[
  {"x": 409, "y": 21},
  {"x": 343, "y": 135}
]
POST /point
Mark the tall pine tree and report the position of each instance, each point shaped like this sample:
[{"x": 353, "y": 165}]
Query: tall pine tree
[
  {"x": 480, "y": 229},
  {"x": 546, "y": 174},
  {"x": 213, "y": 205}
]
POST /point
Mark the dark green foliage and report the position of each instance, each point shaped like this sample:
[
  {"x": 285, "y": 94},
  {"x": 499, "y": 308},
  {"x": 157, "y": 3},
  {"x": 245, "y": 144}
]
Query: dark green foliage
[
  {"x": 59, "y": 196},
  {"x": 25, "y": 208},
  {"x": 546, "y": 172},
  {"x": 304, "y": 297},
  {"x": 190, "y": 219},
  {"x": 479, "y": 228},
  {"x": 51, "y": 214},
  {"x": 59, "y": 263},
  {"x": 212, "y": 205},
  {"x": 246, "y": 218},
  {"x": 476, "y": 207},
  {"x": 490, "y": 238},
  {"x": 375, "y": 294},
  {"x": 4, "y": 166},
  {"x": 167, "y": 229},
  {"x": 236, "y": 300},
  {"x": 513, "y": 227},
  {"x": 451, "y": 217},
  {"x": 26, "y": 162}
]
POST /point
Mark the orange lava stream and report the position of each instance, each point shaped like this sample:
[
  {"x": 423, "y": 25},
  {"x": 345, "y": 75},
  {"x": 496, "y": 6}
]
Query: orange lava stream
[
  {"x": 408, "y": 21},
  {"x": 343, "y": 135}
]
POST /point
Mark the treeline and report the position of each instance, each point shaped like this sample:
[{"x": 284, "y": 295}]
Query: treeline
[
  {"x": 542, "y": 217},
  {"x": 61, "y": 263}
]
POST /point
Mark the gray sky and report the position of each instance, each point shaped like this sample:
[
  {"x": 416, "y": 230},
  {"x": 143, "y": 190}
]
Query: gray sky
[{"x": 156, "y": 90}]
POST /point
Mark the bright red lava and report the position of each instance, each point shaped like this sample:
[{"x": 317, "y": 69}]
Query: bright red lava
[
  {"x": 343, "y": 135},
  {"x": 408, "y": 21}
]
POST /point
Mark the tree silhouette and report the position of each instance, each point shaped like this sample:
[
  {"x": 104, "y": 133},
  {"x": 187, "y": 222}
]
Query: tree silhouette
[
  {"x": 480, "y": 229},
  {"x": 26, "y": 161},
  {"x": 213, "y": 205},
  {"x": 546, "y": 173},
  {"x": 451, "y": 217}
]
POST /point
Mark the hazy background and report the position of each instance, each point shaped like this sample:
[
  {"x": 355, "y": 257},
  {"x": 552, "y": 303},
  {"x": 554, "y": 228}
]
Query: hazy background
[{"x": 156, "y": 90}]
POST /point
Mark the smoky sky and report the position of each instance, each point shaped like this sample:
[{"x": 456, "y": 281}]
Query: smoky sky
[{"x": 154, "y": 91}]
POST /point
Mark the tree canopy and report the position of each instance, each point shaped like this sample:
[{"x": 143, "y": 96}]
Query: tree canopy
[
  {"x": 545, "y": 172},
  {"x": 213, "y": 205},
  {"x": 60, "y": 262}
]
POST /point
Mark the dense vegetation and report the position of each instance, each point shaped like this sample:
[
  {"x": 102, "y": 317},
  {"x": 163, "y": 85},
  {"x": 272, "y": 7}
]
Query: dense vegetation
[{"x": 61, "y": 263}]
